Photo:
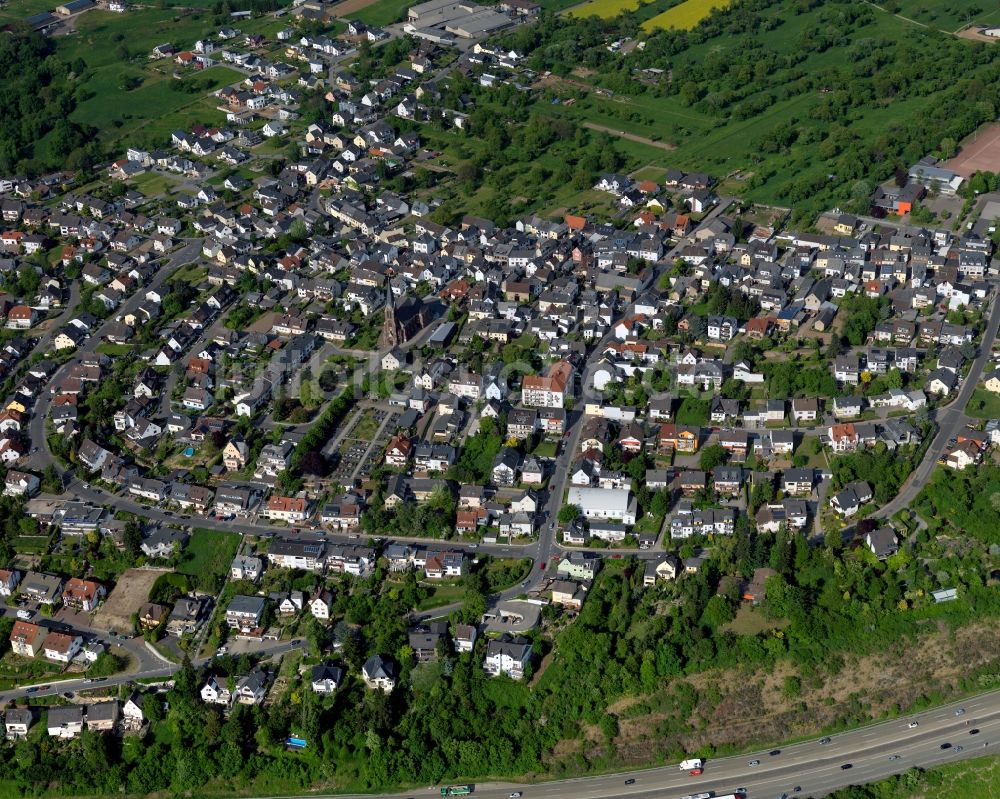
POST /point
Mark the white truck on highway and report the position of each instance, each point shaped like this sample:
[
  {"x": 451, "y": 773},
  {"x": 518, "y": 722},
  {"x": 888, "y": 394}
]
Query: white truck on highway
[{"x": 692, "y": 764}]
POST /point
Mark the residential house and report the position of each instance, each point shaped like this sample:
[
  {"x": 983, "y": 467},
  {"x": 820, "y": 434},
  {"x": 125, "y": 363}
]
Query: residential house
[
  {"x": 17, "y": 721},
  {"x": 379, "y": 673},
  {"x": 65, "y": 721},
  {"x": 82, "y": 594},
  {"x": 508, "y": 655},
  {"x": 246, "y": 567},
  {"x": 665, "y": 568},
  {"x": 251, "y": 688},
  {"x": 61, "y": 647},
  {"x": 326, "y": 678},
  {"x": 133, "y": 715},
  {"x": 882, "y": 542},
  {"x": 245, "y": 612},
  {"x": 216, "y": 691},
  {"x": 103, "y": 716},
  {"x": 26, "y": 639}
]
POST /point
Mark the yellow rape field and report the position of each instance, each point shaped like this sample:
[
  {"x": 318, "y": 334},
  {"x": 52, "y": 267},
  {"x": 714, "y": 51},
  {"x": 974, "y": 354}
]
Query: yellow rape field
[
  {"x": 684, "y": 16},
  {"x": 605, "y": 9}
]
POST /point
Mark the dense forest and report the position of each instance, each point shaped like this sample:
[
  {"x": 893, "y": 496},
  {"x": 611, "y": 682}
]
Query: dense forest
[{"x": 36, "y": 98}]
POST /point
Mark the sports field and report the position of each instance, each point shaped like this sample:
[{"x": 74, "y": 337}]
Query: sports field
[
  {"x": 979, "y": 153},
  {"x": 684, "y": 16}
]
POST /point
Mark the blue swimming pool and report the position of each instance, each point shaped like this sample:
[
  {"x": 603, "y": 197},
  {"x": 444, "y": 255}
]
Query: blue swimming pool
[{"x": 189, "y": 452}]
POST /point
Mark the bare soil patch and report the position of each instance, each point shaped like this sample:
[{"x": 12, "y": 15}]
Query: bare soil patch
[
  {"x": 973, "y": 33},
  {"x": 131, "y": 591},
  {"x": 346, "y": 7},
  {"x": 621, "y": 134}
]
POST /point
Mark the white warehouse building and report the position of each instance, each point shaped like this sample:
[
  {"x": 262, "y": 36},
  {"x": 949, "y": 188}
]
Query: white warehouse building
[{"x": 604, "y": 503}]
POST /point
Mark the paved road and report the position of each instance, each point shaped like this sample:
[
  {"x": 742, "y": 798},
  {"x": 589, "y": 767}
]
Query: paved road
[
  {"x": 59, "y": 686},
  {"x": 811, "y": 766},
  {"x": 950, "y": 421},
  {"x": 36, "y": 430}
]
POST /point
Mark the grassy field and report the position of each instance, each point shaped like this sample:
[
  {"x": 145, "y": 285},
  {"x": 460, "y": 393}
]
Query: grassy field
[
  {"x": 116, "y": 47},
  {"x": 154, "y": 107},
  {"x": 980, "y": 777},
  {"x": 209, "y": 551},
  {"x": 950, "y": 15},
  {"x": 684, "y": 16},
  {"x": 750, "y": 621},
  {"x": 154, "y": 184},
  {"x": 31, "y": 544},
  {"x": 19, "y": 9},
  {"x": 984, "y": 405},
  {"x": 383, "y": 12},
  {"x": 114, "y": 350},
  {"x": 605, "y": 9},
  {"x": 557, "y": 5}
]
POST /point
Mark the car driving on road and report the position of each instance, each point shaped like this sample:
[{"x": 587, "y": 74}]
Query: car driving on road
[
  {"x": 825, "y": 741},
  {"x": 754, "y": 763},
  {"x": 912, "y": 724}
]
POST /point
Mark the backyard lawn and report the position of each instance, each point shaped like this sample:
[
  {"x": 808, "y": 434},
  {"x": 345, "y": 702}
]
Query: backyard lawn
[
  {"x": 442, "y": 595},
  {"x": 984, "y": 404},
  {"x": 693, "y": 411},
  {"x": 209, "y": 552},
  {"x": 545, "y": 449}
]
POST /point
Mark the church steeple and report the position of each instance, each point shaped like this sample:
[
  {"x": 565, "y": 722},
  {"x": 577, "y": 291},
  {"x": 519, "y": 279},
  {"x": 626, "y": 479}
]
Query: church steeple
[{"x": 390, "y": 330}]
